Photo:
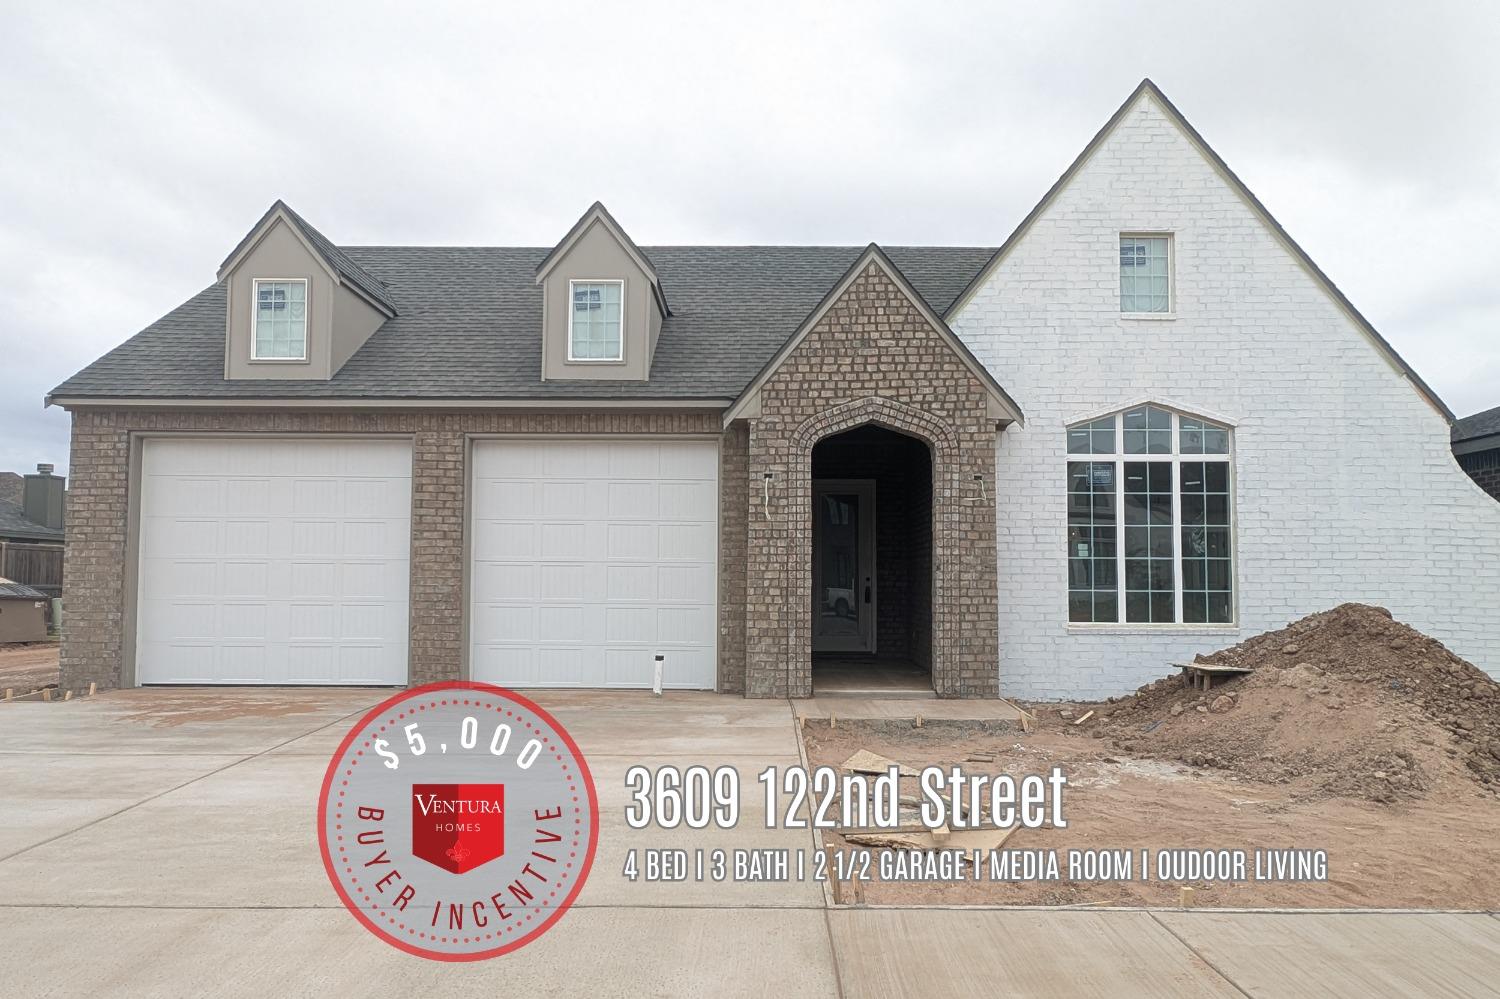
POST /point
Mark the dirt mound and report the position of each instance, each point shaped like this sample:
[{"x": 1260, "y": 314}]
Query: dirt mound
[{"x": 1348, "y": 702}]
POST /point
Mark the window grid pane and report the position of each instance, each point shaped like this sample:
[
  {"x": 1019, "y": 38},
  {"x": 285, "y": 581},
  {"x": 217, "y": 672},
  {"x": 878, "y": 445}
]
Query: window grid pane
[
  {"x": 596, "y": 322},
  {"x": 1148, "y": 430},
  {"x": 1093, "y": 438},
  {"x": 1149, "y": 549},
  {"x": 1092, "y": 584},
  {"x": 1202, "y": 437},
  {"x": 1144, "y": 276},
  {"x": 1207, "y": 596},
  {"x": 280, "y": 320}
]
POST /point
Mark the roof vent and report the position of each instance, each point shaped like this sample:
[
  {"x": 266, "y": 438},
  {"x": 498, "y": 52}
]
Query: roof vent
[{"x": 43, "y": 468}]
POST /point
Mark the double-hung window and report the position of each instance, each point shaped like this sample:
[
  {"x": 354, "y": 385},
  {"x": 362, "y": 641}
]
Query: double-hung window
[
  {"x": 1149, "y": 525},
  {"x": 595, "y": 320},
  {"x": 279, "y": 327}
]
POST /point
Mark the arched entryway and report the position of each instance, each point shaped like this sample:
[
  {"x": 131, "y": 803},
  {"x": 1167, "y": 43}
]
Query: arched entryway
[{"x": 871, "y": 562}]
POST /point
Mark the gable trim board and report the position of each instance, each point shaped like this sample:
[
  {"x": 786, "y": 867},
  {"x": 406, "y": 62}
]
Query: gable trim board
[
  {"x": 1149, "y": 90},
  {"x": 1001, "y": 406}
]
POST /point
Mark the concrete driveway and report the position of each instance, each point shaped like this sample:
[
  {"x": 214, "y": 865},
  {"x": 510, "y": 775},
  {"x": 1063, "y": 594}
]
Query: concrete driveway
[{"x": 162, "y": 842}]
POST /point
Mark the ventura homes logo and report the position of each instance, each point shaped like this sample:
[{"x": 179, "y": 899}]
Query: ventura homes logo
[{"x": 458, "y": 827}]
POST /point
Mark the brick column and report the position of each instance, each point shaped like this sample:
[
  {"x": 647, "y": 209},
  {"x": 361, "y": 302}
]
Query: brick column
[
  {"x": 94, "y": 553},
  {"x": 437, "y": 550}
]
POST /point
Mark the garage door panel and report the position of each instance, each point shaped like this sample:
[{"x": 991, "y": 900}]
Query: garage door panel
[
  {"x": 578, "y": 546},
  {"x": 513, "y": 665},
  {"x": 632, "y": 542},
  {"x": 686, "y": 542},
  {"x": 505, "y": 539},
  {"x": 299, "y": 572},
  {"x": 684, "y": 583}
]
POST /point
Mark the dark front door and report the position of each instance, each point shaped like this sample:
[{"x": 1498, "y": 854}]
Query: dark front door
[{"x": 843, "y": 546}]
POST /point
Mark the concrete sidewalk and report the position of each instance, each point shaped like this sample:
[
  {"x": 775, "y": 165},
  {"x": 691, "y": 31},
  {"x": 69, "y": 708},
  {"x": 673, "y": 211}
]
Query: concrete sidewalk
[{"x": 162, "y": 842}]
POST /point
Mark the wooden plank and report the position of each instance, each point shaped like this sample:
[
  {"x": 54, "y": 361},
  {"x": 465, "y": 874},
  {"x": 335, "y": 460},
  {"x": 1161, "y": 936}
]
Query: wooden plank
[
  {"x": 1214, "y": 668},
  {"x": 866, "y": 762}
]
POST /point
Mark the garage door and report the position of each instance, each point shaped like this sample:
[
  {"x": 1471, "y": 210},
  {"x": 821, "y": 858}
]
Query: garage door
[
  {"x": 589, "y": 559},
  {"x": 273, "y": 561}
]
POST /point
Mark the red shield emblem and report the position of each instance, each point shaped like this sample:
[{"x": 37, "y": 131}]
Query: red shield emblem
[{"x": 458, "y": 827}]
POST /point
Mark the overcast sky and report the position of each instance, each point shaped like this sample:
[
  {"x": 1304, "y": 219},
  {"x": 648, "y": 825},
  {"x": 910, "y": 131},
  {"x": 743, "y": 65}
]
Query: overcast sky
[{"x": 138, "y": 143}]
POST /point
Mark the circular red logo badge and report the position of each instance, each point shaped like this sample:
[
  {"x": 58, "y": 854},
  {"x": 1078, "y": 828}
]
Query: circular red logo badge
[{"x": 458, "y": 821}]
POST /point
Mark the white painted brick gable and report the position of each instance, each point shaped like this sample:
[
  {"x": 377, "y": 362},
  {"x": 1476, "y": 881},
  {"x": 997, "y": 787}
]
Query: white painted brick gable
[{"x": 1345, "y": 486}]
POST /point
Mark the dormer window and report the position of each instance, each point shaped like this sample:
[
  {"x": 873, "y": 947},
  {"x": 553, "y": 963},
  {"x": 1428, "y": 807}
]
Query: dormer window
[
  {"x": 594, "y": 325},
  {"x": 279, "y": 328}
]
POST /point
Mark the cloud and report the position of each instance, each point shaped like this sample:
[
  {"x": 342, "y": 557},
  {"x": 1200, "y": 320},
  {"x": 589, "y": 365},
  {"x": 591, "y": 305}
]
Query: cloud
[{"x": 144, "y": 141}]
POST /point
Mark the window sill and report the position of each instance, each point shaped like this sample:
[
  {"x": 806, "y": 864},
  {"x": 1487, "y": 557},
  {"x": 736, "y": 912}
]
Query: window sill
[
  {"x": 279, "y": 360},
  {"x": 1083, "y": 628},
  {"x": 595, "y": 360},
  {"x": 1149, "y": 317}
]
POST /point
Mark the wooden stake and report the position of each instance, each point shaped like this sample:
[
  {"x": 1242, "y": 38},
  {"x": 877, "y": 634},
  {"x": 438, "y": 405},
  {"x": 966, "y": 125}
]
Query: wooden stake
[
  {"x": 1185, "y": 897},
  {"x": 919, "y": 721},
  {"x": 10, "y": 692},
  {"x": 93, "y": 687},
  {"x": 1085, "y": 718},
  {"x": 832, "y": 721},
  {"x": 67, "y": 695},
  {"x": 46, "y": 693}
]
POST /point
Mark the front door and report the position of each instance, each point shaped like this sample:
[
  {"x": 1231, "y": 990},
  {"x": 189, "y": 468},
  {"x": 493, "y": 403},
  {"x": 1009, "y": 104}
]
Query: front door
[{"x": 843, "y": 545}]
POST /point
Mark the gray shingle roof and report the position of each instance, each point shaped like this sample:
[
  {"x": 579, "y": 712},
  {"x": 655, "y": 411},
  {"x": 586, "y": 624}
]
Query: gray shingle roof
[
  {"x": 470, "y": 321},
  {"x": 1479, "y": 425},
  {"x": 13, "y": 524}
]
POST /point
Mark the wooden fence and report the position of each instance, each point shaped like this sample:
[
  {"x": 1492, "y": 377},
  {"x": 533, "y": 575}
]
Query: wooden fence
[{"x": 40, "y": 566}]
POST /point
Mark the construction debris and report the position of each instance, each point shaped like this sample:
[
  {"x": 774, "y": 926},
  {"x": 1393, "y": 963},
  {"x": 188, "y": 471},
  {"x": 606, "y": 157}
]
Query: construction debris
[
  {"x": 866, "y": 762},
  {"x": 1348, "y": 701},
  {"x": 1085, "y": 718}
]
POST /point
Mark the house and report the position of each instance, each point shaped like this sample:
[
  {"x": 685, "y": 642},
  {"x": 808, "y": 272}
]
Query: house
[
  {"x": 1476, "y": 445},
  {"x": 32, "y": 510},
  {"x": 1145, "y": 425}
]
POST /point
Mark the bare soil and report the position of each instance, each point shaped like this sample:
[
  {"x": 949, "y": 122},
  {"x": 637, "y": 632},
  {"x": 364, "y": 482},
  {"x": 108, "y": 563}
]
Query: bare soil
[
  {"x": 26, "y": 666},
  {"x": 1354, "y": 734}
]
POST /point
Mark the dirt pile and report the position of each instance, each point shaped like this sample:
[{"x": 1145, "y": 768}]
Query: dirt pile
[{"x": 1348, "y": 702}]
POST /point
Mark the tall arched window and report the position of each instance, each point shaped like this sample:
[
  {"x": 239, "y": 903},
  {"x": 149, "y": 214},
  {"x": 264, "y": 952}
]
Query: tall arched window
[{"x": 1150, "y": 536}]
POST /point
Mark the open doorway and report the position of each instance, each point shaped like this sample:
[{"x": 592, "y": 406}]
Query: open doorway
[{"x": 872, "y": 565}]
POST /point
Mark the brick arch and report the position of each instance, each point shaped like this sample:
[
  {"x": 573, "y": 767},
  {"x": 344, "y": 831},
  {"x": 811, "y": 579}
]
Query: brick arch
[{"x": 880, "y": 411}]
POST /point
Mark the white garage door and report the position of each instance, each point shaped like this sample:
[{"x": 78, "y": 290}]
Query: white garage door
[
  {"x": 273, "y": 561},
  {"x": 589, "y": 559}
]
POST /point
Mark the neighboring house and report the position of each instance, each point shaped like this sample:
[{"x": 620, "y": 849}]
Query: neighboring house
[
  {"x": 32, "y": 511},
  {"x": 1476, "y": 445},
  {"x": 547, "y": 466}
]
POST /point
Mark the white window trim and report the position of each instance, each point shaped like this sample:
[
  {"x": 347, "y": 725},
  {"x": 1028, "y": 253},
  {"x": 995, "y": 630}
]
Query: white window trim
[
  {"x": 1171, "y": 239},
  {"x": 1176, "y": 457},
  {"x": 596, "y": 360},
  {"x": 306, "y": 318}
]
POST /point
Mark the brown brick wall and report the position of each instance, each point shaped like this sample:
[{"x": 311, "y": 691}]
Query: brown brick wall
[
  {"x": 873, "y": 357},
  {"x": 734, "y": 510},
  {"x": 98, "y": 513}
]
